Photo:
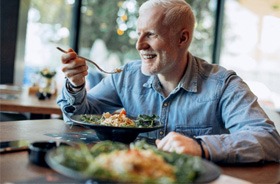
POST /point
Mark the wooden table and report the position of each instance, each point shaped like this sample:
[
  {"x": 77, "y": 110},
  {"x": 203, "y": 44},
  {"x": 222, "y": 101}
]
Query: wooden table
[
  {"x": 20, "y": 100},
  {"x": 15, "y": 166}
]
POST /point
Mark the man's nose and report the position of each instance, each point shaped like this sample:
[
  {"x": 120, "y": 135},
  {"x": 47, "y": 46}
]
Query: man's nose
[{"x": 141, "y": 44}]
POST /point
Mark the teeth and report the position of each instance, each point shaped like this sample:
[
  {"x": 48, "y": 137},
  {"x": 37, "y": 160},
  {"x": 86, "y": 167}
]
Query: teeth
[{"x": 148, "y": 56}]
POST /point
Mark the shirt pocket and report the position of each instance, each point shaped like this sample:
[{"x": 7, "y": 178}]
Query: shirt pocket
[{"x": 194, "y": 131}]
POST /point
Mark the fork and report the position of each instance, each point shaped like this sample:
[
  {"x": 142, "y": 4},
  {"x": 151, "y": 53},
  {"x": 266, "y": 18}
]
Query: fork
[{"x": 117, "y": 70}]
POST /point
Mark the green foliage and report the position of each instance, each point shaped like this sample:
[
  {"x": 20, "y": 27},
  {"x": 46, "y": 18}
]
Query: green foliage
[
  {"x": 101, "y": 19},
  {"x": 47, "y": 73},
  {"x": 202, "y": 44}
]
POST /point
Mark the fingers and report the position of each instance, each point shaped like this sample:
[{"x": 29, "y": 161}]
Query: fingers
[
  {"x": 175, "y": 142},
  {"x": 74, "y": 68},
  {"x": 161, "y": 143},
  {"x": 169, "y": 142},
  {"x": 76, "y": 75},
  {"x": 67, "y": 57},
  {"x": 157, "y": 142},
  {"x": 78, "y": 79}
]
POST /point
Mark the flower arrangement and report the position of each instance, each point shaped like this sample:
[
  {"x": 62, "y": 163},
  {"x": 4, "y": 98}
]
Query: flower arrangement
[{"x": 47, "y": 73}]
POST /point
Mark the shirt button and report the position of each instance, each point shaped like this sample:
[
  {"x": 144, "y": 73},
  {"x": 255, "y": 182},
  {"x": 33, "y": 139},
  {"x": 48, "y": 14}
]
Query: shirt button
[
  {"x": 161, "y": 132},
  {"x": 165, "y": 104}
]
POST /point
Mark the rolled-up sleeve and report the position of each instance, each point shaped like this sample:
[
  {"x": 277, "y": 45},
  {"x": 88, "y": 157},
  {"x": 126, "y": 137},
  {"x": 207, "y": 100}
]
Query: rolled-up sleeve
[{"x": 70, "y": 103}]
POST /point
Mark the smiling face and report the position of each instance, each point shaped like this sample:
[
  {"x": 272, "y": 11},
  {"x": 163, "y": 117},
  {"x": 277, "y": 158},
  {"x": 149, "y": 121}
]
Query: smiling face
[{"x": 157, "y": 44}]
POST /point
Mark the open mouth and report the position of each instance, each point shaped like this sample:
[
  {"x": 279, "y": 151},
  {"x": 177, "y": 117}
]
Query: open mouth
[{"x": 148, "y": 56}]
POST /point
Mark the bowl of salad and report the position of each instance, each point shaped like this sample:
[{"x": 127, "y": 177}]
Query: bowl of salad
[
  {"x": 138, "y": 162},
  {"x": 118, "y": 127}
]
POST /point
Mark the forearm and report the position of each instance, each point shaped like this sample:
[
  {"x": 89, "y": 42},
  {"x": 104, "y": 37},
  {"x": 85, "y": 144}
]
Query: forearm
[
  {"x": 96, "y": 101},
  {"x": 243, "y": 147}
]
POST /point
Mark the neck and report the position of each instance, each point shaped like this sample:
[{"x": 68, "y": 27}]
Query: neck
[
  {"x": 168, "y": 86},
  {"x": 171, "y": 79}
]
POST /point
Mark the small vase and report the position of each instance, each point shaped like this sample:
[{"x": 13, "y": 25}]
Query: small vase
[{"x": 47, "y": 86}]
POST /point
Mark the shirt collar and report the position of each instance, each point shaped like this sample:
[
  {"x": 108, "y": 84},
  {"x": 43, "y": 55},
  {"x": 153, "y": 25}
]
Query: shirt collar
[
  {"x": 190, "y": 78},
  {"x": 152, "y": 81}
]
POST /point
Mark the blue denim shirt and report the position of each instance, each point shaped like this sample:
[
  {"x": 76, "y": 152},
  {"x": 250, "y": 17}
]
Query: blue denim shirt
[{"x": 209, "y": 102}]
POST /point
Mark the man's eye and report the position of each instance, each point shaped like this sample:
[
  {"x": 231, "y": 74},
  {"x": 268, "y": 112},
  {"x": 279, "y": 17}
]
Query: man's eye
[
  {"x": 150, "y": 34},
  {"x": 147, "y": 35}
]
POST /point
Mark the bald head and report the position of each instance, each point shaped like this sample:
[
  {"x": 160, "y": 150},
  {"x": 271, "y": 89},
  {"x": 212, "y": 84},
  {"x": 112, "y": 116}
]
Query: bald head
[{"x": 177, "y": 14}]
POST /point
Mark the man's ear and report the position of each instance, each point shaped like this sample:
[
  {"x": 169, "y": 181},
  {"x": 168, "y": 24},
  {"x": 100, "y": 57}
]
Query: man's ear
[{"x": 184, "y": 37}]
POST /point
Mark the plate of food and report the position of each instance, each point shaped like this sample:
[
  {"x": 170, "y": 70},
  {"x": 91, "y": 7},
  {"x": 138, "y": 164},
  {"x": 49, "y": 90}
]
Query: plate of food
[
  {"x": 118, "y": 127},
  {"x": 138, "y": 162}
]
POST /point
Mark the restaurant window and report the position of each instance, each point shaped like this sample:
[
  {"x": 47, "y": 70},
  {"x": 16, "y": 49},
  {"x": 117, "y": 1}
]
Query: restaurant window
[
  {"x": 47, "y": 26},
  {"x": 250, "y": 46},
  {"x": 106, "y": 33}
]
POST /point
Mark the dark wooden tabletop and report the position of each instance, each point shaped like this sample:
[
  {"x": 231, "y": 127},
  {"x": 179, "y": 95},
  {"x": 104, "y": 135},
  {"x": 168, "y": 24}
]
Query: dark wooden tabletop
[
  {"x": 15, "y": 167},
  {"x": 24, "y": 101}
]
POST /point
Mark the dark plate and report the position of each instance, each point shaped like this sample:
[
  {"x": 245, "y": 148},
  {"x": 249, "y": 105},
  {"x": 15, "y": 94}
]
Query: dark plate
[
  {"x": 120, "y": 134},
  {"x": 210, "y": 171}
]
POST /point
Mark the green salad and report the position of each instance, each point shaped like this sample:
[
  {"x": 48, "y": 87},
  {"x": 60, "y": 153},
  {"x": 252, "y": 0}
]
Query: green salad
[
  {"x": 138, "y": 162},
  {"x": 121, "y": 120}
]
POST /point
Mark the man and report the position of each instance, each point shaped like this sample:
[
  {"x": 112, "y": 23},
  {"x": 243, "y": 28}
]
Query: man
[{"x": 192, "y": 97}]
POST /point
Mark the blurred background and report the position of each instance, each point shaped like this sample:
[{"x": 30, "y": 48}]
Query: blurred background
[{"x": 242, "y": 35}]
